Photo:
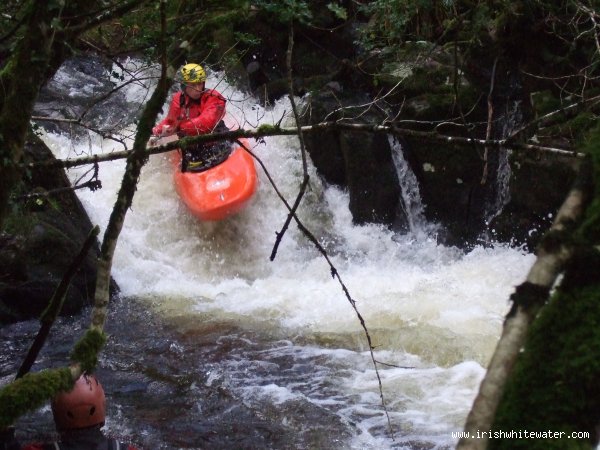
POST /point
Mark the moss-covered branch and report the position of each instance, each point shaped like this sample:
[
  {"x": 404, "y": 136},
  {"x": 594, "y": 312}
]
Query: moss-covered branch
[
  {"x": 575, "y": 232},
  {"x": 86, "y": 350},
  {"x": 274, "y": 130},
  {"x": 22, "y": 85},
  {"x": 30, "y": 392},
  {"x": 135, "y": 161},
  {"x": 35, "y": 389}
]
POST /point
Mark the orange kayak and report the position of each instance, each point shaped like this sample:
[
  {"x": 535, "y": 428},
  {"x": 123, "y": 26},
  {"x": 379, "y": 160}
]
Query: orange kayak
[{"x": 220, "y": 191}]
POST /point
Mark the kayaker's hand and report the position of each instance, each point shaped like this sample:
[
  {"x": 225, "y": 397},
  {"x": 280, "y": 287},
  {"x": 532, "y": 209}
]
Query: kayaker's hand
[
  {"x": 168, "y": 130},
  {"x": 165, "y": 130},
  {"x": 153, "y": 141}
]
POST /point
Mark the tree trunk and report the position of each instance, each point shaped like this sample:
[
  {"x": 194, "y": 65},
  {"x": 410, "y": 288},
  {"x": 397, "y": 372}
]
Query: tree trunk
[
  {"x": 527, "y": 301},
  {"x": 22, "y": 78}
]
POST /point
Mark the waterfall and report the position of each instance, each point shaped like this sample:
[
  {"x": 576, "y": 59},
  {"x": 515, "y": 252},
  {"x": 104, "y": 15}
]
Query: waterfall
[
  {"x": 510, "y": 122},
  {"x": 410, "y": 201}
]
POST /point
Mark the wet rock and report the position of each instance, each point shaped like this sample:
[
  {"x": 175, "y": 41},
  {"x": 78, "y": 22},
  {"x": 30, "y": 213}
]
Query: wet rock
[
  {"x": 357, "y": 160},
  {"x": 538, "y": 187},
  {"x": 12, "y": 263},
  {"x": 77, "y": 92},
  {"x": 43, "y": 235}
]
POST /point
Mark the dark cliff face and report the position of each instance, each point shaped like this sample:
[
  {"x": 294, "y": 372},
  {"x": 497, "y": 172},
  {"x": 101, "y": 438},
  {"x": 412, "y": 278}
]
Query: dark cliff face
[
  {"x": 356, "y": 160},
  {"x": 43, "y": 235},
  {"x": 474, "y": 194}
]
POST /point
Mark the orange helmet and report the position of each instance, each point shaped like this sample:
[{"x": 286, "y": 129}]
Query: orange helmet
[{"x": 82, "y": 407}]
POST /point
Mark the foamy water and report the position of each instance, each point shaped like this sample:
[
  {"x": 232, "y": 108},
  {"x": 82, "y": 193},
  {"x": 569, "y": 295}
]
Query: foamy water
[{"x": 434, "y": 313}]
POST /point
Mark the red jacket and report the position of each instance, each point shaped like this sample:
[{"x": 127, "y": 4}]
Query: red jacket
[{"x": 193, "y": 117}]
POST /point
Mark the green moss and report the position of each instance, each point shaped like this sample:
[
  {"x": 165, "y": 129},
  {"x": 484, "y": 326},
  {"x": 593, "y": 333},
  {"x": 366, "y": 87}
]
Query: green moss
[
  {"x": 554, "y": 385},
  {"x": 577, "y": 127},
  {"x": 422, "y": 80},
  {"x": 590, "y": 228},
  {"x": 18, "y": 221},
  {"x": 439, "y": 101},
  {"x": 582, "y": 269},
  {"x": 30, "y": 392},
  {"x": 267, "y": 129},
  {"x": 85, "y": 352}
]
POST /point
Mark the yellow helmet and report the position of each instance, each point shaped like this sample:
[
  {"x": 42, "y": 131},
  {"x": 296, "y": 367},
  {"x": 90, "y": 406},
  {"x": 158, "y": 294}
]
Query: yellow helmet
[{"x": 193, "y": 73}]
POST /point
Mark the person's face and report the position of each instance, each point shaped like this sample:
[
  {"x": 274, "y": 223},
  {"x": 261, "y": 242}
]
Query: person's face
[{"x": 194, "y": 90}]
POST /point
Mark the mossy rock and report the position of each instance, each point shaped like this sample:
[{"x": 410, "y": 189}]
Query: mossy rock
[
  {"x": 554, "y": 385},
  {"x": 437, "y": 105}
]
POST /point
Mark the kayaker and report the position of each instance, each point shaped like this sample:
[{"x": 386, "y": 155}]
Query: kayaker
[
  {"x": 193, "y": 110},
  {"x": 79, "y": 416}
]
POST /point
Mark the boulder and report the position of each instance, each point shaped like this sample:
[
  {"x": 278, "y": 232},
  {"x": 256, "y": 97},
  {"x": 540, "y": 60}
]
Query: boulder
[{"x": 42, "y": 236}]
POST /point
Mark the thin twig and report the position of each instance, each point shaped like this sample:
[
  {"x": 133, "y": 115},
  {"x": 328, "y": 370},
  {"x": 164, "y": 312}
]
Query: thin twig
[
  {"x": 488, "y": 131},
  {"x": 305, "y": 177}
]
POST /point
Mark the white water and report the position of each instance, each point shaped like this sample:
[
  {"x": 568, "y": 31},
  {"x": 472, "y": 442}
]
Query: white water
[{"x": 431, "y": 310}]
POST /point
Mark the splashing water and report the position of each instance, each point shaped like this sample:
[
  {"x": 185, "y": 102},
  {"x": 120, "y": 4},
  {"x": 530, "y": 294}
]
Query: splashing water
[{"x": 299, "y": 352}]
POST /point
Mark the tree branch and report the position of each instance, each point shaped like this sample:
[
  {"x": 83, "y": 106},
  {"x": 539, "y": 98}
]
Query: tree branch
[
  {"x": 55, "y": 305},
  {"x": 266, "y": 130},
  {"x": 305, "y": 177},
  {"x": 335, "y": 274},
  {"x": 488, "y": 131},
  {"x": 105, "y": 16},
  {"x": 551, "y": 118},
  {"x": 135, "y": 161}
]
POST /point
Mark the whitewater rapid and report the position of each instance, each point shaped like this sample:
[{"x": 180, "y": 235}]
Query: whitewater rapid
[{"x": 434, "y": 313}]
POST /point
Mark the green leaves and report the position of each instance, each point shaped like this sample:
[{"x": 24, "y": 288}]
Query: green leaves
[
  {"x": 286, "y": 11},
  {"x": 247, "y": 39},
  {"x": 338, "y": 10}
]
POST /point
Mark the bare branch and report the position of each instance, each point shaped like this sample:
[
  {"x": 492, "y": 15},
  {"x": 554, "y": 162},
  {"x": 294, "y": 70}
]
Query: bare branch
[
  {"x": 488, "y": 131},
  {"x": 335, "y": 274},
  {"x": 135, "y": 161},
  {"x": 305, "y": 177},
  {"x": 551, "y": 118}
]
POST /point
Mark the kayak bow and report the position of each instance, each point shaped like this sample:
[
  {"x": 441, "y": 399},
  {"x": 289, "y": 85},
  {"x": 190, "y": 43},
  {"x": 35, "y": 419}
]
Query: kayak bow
[{"x": 220, "y": 191}]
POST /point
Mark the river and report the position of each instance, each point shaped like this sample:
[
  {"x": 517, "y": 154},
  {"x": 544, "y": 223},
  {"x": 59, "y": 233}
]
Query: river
[{"x": 212, "y": 345}]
